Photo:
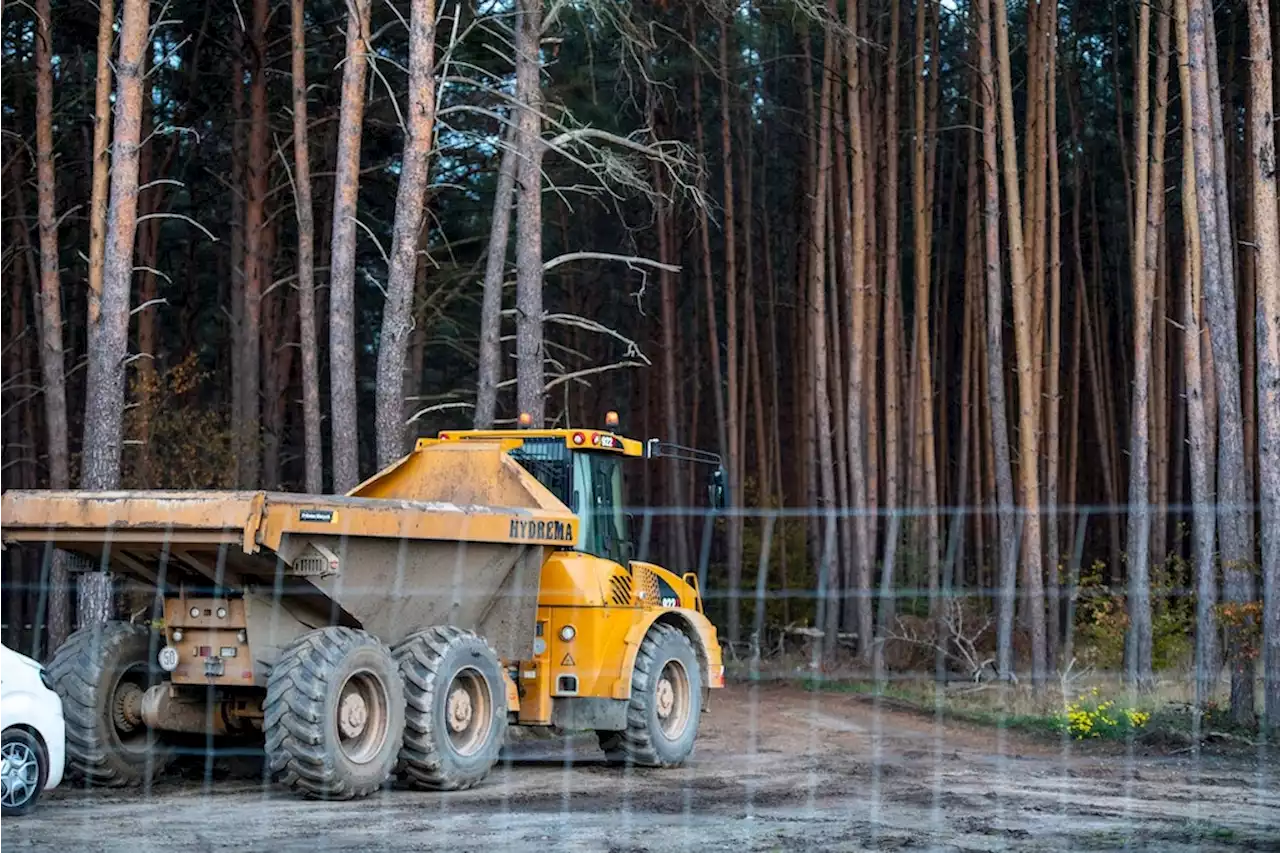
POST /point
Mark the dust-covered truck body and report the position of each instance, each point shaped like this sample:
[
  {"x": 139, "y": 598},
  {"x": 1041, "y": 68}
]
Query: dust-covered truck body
[{"x": 392, "y": 633}]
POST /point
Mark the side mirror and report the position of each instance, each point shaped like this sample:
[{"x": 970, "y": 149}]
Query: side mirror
[{"x": 715, "y": 488}]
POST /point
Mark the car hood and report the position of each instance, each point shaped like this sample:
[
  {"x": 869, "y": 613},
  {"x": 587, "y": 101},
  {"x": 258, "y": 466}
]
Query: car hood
[{"x": 11, "y": 657}]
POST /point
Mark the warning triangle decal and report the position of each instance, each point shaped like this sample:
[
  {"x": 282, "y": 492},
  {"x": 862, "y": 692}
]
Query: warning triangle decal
[{"x": 568, "y": 661}]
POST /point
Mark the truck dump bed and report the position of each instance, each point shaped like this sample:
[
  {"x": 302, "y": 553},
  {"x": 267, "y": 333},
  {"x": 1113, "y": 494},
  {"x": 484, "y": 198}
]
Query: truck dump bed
[{"x": 452, "y": 533}]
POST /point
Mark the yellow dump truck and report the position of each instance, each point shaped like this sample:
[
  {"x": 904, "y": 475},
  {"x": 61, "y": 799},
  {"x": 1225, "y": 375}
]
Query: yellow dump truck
[{"x": 390, "y": 634}]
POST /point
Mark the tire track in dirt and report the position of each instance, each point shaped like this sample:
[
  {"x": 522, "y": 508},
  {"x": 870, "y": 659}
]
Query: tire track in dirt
[{"x": 776, "y": 768}]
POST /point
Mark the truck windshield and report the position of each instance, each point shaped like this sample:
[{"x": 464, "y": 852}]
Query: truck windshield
[{"x": 597, "y": 485}]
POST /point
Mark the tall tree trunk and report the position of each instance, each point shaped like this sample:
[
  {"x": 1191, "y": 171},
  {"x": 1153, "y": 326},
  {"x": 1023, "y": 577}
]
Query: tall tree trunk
[
  {"x": 530, "y": 385},
  {"x": 1053, "y": 435},
  {"x": 146, "y": 383},
  {"x": 837, "y": 216},
  {"x": 257, "y": 273},
  {"x": 708, "y": 282},
  {"x": 995, "y": 352},
  {"x": 344, "y": 420},
  {"x": 1074, "y": 444},
  {"x": 313, "y": 450},
  {"x": 856, "y": 266},
  {"x": 17, "y": 472},
  {"x": 1266, "y": 235},
  {"x": 1149, "y": 167},
  {"x": 52, "y": 364},
  {"x": 1235, "y": 550},
  {"x": 101, "y": 156},
  {"x": 495, "y": 269},
  {"x": 238, "y": 265},
  {"x": 924, "y": 376},
  {"x": 818, "y": 334},
  {"x": 871, "y": 311},
  {"x": 733, "y": 417},
  {"x": 1199, "y": 423},
  {"x": 109, "y": 338},
  {"x": 675, "y": 525},
  {"x": 892, "y": 330},
  {"x": 397, "y": 315},
  {"x": 280, "y": 310},
  {"x": 1028, "y": 466}
]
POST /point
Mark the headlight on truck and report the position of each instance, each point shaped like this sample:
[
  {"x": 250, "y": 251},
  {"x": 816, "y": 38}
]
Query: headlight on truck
[{"x": 567, "y": 633}]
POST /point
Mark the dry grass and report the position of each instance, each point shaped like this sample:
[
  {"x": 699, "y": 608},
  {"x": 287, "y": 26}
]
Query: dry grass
[{"x": 1168, "y": 699}]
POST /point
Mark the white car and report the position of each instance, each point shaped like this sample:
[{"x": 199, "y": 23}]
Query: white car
[{"x": 34, "y": 748}]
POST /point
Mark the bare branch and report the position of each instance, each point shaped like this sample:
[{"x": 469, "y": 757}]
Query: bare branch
[
  {"x": 145, "y": 305},
  {"x": 439, "y": 407},
  {"x": 181, "y": 216},
  {"x": 578, "y": 374},
  {"x": 629, "y": 260}
]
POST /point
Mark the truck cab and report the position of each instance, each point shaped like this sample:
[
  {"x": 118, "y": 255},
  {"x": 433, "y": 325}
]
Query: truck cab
[{"x": 594, "y": 596}]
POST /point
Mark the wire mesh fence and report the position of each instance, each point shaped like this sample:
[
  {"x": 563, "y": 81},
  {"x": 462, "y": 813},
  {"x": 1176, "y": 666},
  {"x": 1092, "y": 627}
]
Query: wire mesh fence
[{"x": 254, "y": 700}]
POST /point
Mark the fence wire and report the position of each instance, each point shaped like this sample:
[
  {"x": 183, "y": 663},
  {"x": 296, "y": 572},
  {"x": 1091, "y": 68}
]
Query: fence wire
[{"x": 819, "y": 738}]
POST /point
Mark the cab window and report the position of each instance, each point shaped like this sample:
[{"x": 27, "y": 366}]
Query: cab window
[{"x": 597, "y": 487}]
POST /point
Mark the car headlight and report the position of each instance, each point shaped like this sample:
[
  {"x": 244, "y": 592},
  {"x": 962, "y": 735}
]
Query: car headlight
[{"x": 45, "y": 679}]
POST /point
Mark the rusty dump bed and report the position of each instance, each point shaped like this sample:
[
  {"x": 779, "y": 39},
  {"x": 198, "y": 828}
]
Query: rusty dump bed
[{"x": 452, "y": 533}]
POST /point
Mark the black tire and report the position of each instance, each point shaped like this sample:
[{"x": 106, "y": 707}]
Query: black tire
[
  {"x": 318, "y": 741},
  {"x": 448, "y": 668},
  {"x": 652, "y": 739},
  {"x": 23, "y": 783},
  {"x": 92, "y": 672}
]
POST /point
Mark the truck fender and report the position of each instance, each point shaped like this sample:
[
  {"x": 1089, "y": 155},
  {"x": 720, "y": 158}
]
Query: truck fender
[{"x": 692, "y": 624}]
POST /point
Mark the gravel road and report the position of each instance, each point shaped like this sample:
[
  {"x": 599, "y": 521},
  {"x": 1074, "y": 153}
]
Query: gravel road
[{"x": 776, "y": 768}]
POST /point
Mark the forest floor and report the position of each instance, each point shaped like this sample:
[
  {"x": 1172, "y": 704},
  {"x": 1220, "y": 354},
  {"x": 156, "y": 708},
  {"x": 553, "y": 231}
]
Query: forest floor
[{"x": 777, "y": 767}]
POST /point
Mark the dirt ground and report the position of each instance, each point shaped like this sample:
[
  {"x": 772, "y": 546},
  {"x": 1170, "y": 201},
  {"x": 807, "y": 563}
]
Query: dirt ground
[{"x": 776, "y": 768}]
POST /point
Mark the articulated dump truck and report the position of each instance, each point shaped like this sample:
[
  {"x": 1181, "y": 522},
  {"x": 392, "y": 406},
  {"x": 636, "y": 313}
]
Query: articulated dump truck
[{"x": 392, "y": 634}]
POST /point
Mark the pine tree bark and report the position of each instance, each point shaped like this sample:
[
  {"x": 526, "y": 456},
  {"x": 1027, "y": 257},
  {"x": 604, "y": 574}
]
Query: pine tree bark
[
  {"x": 101, "y": 157},
  {"x": 871, "y": 134},
  {"x": 109, "y": 338},
  {"x": 733, "y": 409},
  {"x": 676, "y": 525},
  {"x": 892, "y": 332},
  {"x": 995, "y": 353},
  {"x": 1234, "y": 548},
  {"x": 1053, "y": 395},
  {"x": 818, "y": 333},
  {"x": 1149, "y": 167},
  {"x": 312, "y": 449},
  {"x": 52, "y": 363},
  {"x": 344, "y": 421},
  {"x": 530, "y": 385},
  {"x": 256, "y": 270},
  {"x": 1199, "y": 430},
  {"x": 708, "y": 282},
  {"x": 924, "y": 366},
  {"x": 1028, "y": 465},
  {"x": 397, "y": 315},
  {"x": 1266, "y": 235},
  {"x": 856, "y": 265},
  {"x": 238, "y": 265},
  {"x": 495, "y": 269}
]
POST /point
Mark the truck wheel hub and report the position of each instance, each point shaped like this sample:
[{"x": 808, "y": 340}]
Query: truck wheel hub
[
  {"x": 353, "y": 714},
  {"x": 126, "y": 712},
  {"x": 673, "y": 698},
  {"x": 666, "y": 698},
  {"x": 460, "y": 710}
]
